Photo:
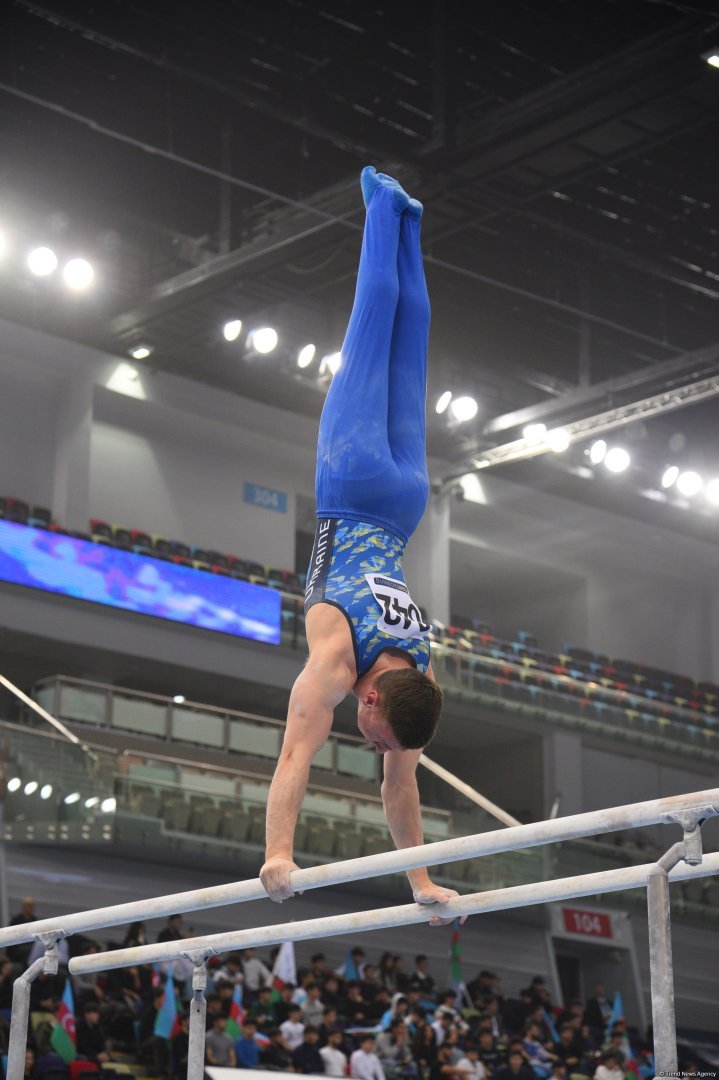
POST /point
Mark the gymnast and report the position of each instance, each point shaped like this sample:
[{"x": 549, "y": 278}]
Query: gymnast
[{"x": 365, "y": 634}]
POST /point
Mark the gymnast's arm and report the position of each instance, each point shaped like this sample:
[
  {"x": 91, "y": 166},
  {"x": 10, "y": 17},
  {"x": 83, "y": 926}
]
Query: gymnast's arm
[{"x": 322, "y": 685}]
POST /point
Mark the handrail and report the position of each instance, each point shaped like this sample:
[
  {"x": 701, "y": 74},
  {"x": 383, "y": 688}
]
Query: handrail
[{"x": 652, "y": 812}]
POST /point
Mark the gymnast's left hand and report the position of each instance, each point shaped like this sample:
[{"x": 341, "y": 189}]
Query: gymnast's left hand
[
  {"x": 435, "y": 894},
  {"x": 275, "y": 877}
]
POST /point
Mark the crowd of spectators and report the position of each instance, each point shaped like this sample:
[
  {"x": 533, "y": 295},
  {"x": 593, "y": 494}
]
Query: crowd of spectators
[{"x": 392, "y": 1020}]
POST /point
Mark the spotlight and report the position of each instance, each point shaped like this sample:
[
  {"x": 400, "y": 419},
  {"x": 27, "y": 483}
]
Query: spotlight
[
  {"x": 712, "y": 58},
  {"x": 78, "y": 274},
  {"x": 108, "y": 806},
  {"x": 15, "y": 784},
  {"x": 670, "y": 476},
  {"x": 73, "y": 797},
  {"x": 306, "y": 356},
  {"x": 92, "y": 802},
  {"x": 443, "y": 401},
  {"x": 597, "y": 452},
  {"x": 141, "y": 352},
  {"x": 711, "y": 491},
  {"x": 46, "y": 791},
  {"x": 331, "y": 362},
  {"x": 264, "y": 340},
  {"x": 464, "y": 409},
  {"x": 558, "y": 440},
  {"x": 231, "y": 330},
  {"x": 534, "y": 433},
  {"x": 31, "y": 787},
  {"x": 617, "y": 459},
  {"x": 689, "y": 484},
  {"x": 42, "y": 261},
  {"x": 179, "y": 699}
]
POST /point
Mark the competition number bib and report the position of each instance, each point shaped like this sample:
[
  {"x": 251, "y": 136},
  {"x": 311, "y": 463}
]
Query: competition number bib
[{"x": 400, "y": 615}]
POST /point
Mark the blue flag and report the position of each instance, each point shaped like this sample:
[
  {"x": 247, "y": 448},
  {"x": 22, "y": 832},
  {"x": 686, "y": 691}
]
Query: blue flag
[
  {"x": 550, "y": 1026},
  {"x": 166, "y": 1018},
  {"x": 617, "y": 1012},
  {"x": 350, "y": 969}
]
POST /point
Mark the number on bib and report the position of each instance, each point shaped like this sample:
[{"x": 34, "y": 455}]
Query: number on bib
[{"x": 400, "y": 617}]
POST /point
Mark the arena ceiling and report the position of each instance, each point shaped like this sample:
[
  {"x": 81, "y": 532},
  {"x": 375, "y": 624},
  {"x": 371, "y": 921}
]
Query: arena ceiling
[{"x": 206, "y": 160}]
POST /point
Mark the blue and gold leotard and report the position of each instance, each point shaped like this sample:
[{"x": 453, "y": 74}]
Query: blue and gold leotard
[{"x": 357, "y": 567}]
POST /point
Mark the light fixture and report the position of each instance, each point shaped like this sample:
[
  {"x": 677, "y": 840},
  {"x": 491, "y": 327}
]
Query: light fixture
[
  {"x": 711, "y": 491},
  {"x": 331, "y": 362},
  {"x": 31, "y": 787},
  {"x": 558, "y": 440},
  {"x": 534, "y": 433},
  {"x": 305, "y": 356},
  {"x": 670, "y": 476},
  {"x": 92, "y": 801},
  {"x": 464, "y": 409},
  {"x": 46, "y": 791},
  {"x": 15, "y": 784},
  {"x": 689, "y": 484},
  {"x": 78, "y": 274},
  {"x": 712, "y": 58},
  {"x": 617, "y": 460},
  {"x": 264, "y": 340},
  {"x": 443, "y": 401},
  {"x": 42, "y": 261},
  {"x": 597, "y": 452},
  {"x": 141, "y": 352},
  {"x": 108, "y": 806},
  {"x": 73, "y": 797},
  {"x": 179, "y": 699},
  {"x": 231, "y": 330}
]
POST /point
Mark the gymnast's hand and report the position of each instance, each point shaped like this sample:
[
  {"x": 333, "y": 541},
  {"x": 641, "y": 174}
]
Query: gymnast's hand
[
  {"x": 275, "y": 877},
  {"x": 435, "y": 894}
]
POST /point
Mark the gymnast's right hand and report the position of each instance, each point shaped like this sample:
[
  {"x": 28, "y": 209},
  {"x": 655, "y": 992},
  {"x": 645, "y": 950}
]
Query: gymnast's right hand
[{"x": 275, "y": 877}]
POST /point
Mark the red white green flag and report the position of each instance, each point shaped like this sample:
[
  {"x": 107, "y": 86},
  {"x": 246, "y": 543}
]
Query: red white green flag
[
  {"x": 285, "y": 967},
  {"x": 62, "y": 1037},
  {"x": 237, "y": 1014}
]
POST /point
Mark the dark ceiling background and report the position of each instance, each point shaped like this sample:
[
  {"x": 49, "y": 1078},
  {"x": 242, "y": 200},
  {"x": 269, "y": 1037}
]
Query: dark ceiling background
[{"x": 206, "y": 159}]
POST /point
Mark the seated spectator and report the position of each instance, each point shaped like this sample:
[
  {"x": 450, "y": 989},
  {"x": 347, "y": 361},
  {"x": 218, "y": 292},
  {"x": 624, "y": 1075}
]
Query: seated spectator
[
  {"x": 313, "y": 1008},
  {"x": 394, "y": 1053},
  {"x": 489, "y": 1053},
  {"x": 515, "y": 1013},
  {"x": 256, "y": 975},
  {"x": 293, "y": 1030},
  {"x": 230, "y": 972},
  {"x": 355, "y": 968},
  {"x": 247, "y": 1051},
  {"x": 515, "y": 1069},
  {"x": 219, "y": 1046},
  {"x": 398, "y": 1010},
  {"x": 6, "y": 981},
  {"x": 364, "y": 1063},
  {"x": 333, "y": 1056},
  {"x": 559, "y": 1071},
  {"x": 320, "y": 968},
  {"x": 483, "y": 987},
  {"x": 30, "y": 1072},
  {"x": 442, "y": 1024},
  {"x": 262, "y": 1011},
  {"x": 611, "y": 1068},
  {"x": 283, "y": 1005},
  {"x": 615, "y": 1046},
  {"x": 443, "y": 1067},
  {"x": 539, "y": 1057},
  {"x": 307, "y": 1058},
  {"x": 134, "y": 936},
  {"x": 401, "y": 977},
  {"x": 496, "y": 1022},
  {"x": 353, "y": 1007},
  {"x": 277, "y": 1056},
  {"x": 214, "y": 1008},
  {"x": 180, "y": 1044},
  {"x": 386, "y": 972},
  {"x": 85, "y": 987},
  {"x": 173, "y": 931},
  {"x": 369, "y": 983},
  {"x": 567, "y": 1050},
  {"x": 573, "y": 1014},
  {"x": 153, "y": 1048},
  {"x": 19, "y": 953},
  {"x": 424, "y": 1047},
  {"x": 331, "y": 992},
  {"x": 470, "y": 1067},
  {"x": 90, "y": 1041},
  {"x": 421, "y": 977},
  {"x": 330, "y": 1022}
]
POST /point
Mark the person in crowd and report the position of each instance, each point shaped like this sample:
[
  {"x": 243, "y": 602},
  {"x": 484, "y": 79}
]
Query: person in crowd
[
  {"x": 540, "y": 1058},
  {"x": 573, "y": 1014},
  {"x": 173, "y": 931},
  {"x": 401, "y": 978},
  {"x": 567, "y": 1050},
  {"x": 386, "y": 972},
  {"x": 19, "y": 953},
  {"x": 424, "y": 1047},
  {"x": 442, "y": 1024},
  {"x": 330, "y": 1022},
  {"x": 86, "y": 987},
  {"x": 136, "y": 935},
  {"x": 398, "y": 1010},
  {"x": 515, "y": 1069},
  {"x": 610, "y": 1068},
  {"x": 331, "y": 991},
  {"x": 285, "y": 1002},
  {"x": 307, "y": 1058},
  {"x": 180, "y": 1047},
  {"x": 559, "y": 1071},
  {"x": 230, "y": 972},
  {"x": 484, "y": 986},
  {"x": 470, "y": 1067},
  {"x": 493, "y": 1014},
  {"x": 421, "y": 978},
  {"x": 292, "y": 1029},
  {"x": 355, "y": 970},
  {"x": 313, "y": 1008},
  {"x": 444, "y": 1068},
  {"x": 320, "y": 968},
  {"x": 214, "y": 1008},
  {"x": 394, "y": 1052},
  {"x": 256, "y": 975},
  {"x": 598, "y": 1011},
  {"x": 489, "y": 1053},
  {"x": 333, "y": 1056},
  {"x": 219, "y": 1046},
  {"x": 262, "y": 1011},
  {"x": 364, "y": 1063},
  {"x": 277, "y": 1057},
  {"x": 369, "y": 983},
  {"x": 30, "y": 1071},
  {"x": 90, "y": 1040},
  {"x": 153, "y": 1048},
  {"x": 247, "y": 1051}
]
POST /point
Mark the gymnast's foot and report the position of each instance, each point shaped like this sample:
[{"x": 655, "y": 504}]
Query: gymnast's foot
[
  {"x": 415, "y": 208},
  {"x": 371, "y": 180}
]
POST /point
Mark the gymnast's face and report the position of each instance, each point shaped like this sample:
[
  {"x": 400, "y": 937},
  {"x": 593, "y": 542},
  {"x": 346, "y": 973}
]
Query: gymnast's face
[{"x": 373, "y": 726}]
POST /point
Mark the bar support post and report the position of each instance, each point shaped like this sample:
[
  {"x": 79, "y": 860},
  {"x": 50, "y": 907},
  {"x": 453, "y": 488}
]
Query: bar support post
[
  {"x": 198, "y": 1013},
  {"x": 48, "y": 965}
]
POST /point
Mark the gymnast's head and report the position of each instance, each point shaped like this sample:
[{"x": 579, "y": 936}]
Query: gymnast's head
[{"x": 400, "y": 710}]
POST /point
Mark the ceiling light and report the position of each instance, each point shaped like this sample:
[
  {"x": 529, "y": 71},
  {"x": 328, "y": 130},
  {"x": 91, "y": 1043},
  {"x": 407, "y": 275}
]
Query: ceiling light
[
  {"x": 689, "y": 484},
  {"x": 617, "y": 459},
  {"x": 264, "y": 340},
  {"x": 73, "y": 797},
  {"x": 670, "y": 476},
  {"x": 711, "y": 491},
  {"x": 331, "y": 362},
  {"x": 597, "y": 452},
  {"x": 31, "y": 787},
  {"x": 92, "y": 802},
  {"x": 306, "y": 356},
  {"x": 42, "y": 261},
  {"x": 712, "y": 58},
  {"x": 535, "y": 433},
  {"x": 443, "y": 401},
  {"x": 464, "y": 409},
  {"x": 141, "y": 352},
  {"x": 108, "y": 806},
  {"x": 46, "y": 791},
  {"x": 231, "y": 330},
  {"x": 14, "y": 784},
  {"x": 179, "y": 699},
  {"x": 559, "y": 440},
  {"x": 78, "y": 274}
]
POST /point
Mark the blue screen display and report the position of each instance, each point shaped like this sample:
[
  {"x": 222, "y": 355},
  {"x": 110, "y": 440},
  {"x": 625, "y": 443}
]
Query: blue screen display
[{"x": 122, "y": 579}]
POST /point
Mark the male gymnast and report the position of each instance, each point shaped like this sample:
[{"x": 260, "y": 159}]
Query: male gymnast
[{"x": 365, "y": 634}]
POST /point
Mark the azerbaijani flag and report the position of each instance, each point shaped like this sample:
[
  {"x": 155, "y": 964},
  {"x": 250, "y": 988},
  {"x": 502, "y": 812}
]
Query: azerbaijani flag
[
  {"x": 237, "y": 1014},
  {"x": 455, "y": 963},
  {"x": 631, "y": 1067},
  {"x": 285, "y": 968},
  {"x": 63, "y": 1038},
  {"x": 551, "y": 1027},
  {"x": 350, "y": 971},
  {"x": 167, "y": 1023}
]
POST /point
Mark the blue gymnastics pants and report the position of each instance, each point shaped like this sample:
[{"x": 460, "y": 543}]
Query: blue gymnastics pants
[{"x": 371, "y": 453}]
